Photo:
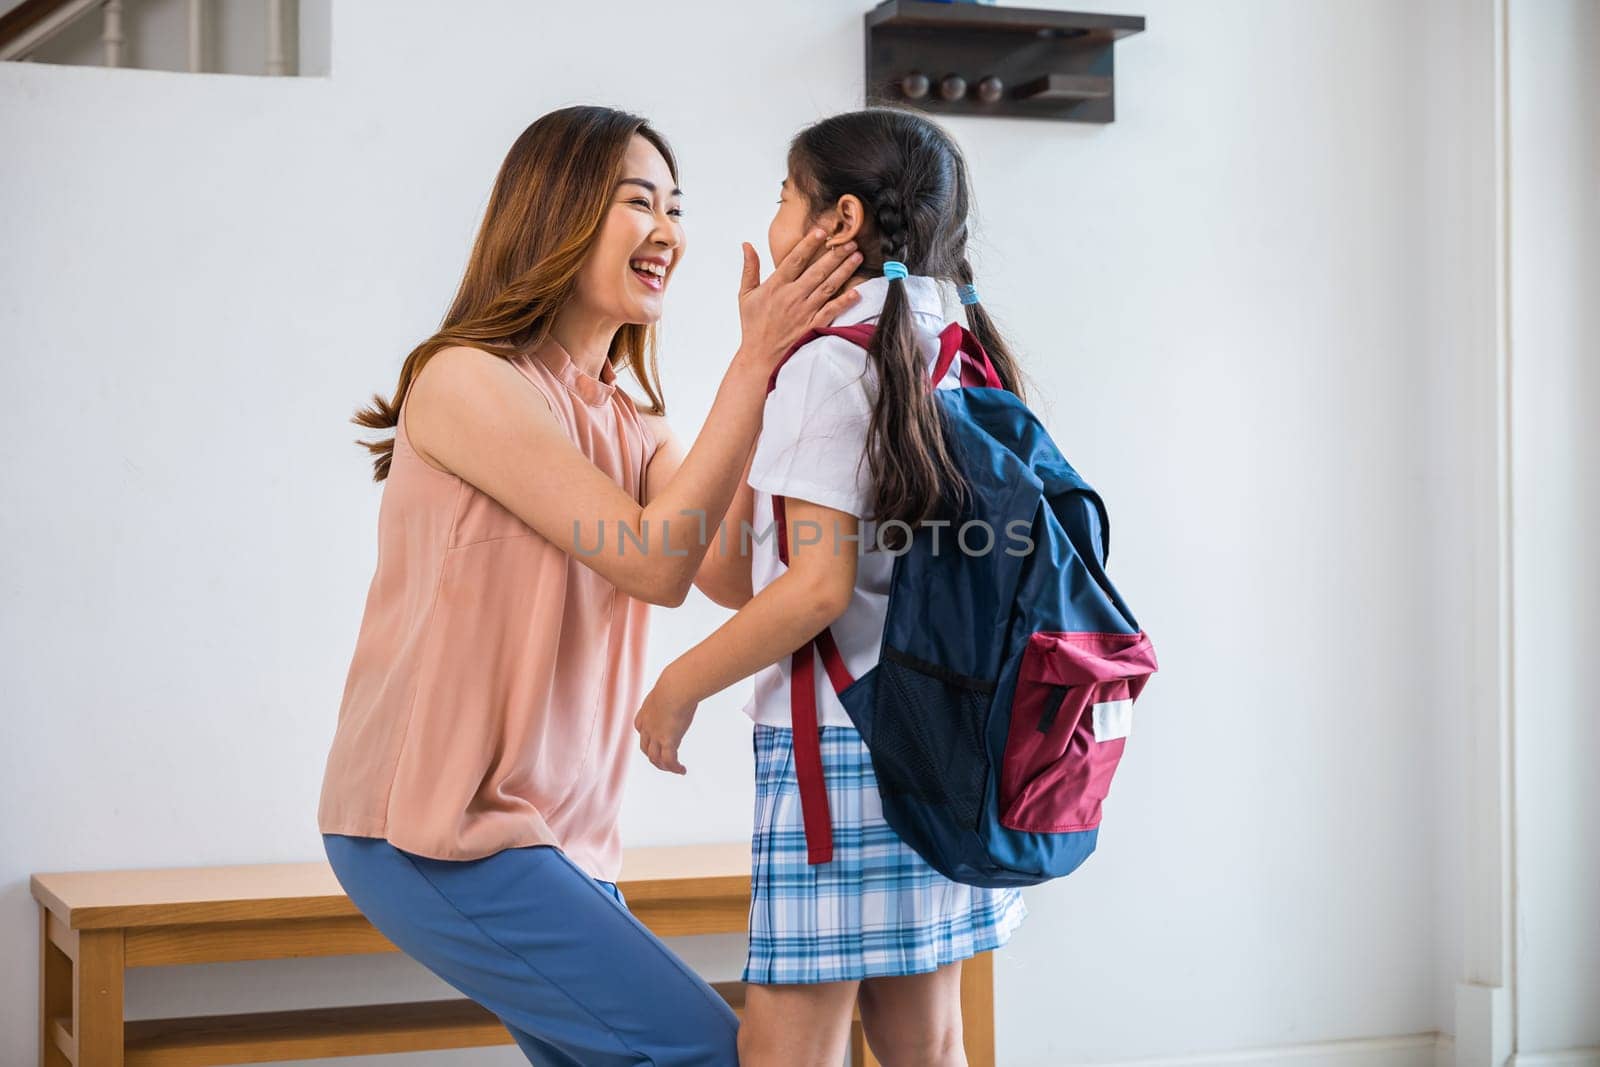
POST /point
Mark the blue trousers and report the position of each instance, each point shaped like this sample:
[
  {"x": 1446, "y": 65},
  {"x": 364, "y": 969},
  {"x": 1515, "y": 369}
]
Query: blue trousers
[{"x": 553, "y": 953}]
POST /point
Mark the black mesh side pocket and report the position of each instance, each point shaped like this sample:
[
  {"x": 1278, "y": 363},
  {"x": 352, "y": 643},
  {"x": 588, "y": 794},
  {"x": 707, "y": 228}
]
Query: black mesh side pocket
[{"x": 927, "y": 734}]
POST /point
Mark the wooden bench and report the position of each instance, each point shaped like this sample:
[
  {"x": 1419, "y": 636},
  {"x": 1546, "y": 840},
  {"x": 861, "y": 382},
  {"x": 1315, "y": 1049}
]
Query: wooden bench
[{"x": 96, "y": 925}]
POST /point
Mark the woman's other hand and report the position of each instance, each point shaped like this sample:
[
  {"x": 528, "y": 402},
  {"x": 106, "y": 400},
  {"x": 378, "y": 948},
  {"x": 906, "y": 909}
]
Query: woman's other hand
[{"x": 805, "y": 291}]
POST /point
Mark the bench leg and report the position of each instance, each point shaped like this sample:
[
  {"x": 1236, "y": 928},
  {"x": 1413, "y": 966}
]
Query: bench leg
[
  {"x": 977, "y": 1009},
  {"x": 55, "y": 994},
  {"x": 97, "y": 998}
]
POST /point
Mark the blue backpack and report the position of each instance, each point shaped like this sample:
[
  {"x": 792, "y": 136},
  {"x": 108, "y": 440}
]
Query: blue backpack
[{"x": 1003, "y": 695}]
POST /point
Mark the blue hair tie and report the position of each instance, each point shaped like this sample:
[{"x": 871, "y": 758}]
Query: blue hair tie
[
  {"x": 969, "y": 294},
  {"x": 893, "y": 269}
]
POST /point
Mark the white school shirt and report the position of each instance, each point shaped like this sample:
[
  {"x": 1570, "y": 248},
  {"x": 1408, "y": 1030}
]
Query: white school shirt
[{"x": 812, "y": 446}]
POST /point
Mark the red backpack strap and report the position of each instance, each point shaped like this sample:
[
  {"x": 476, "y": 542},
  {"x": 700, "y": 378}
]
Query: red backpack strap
[
  {"x": 954, "y": 340},
  {"x": 803, "y": 718},
  {"x": 975, "y": 369},
  {"x": 859, "y": 335}
]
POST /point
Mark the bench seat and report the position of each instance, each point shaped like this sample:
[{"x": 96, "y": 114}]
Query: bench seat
[{"x": 95, "y": 925}]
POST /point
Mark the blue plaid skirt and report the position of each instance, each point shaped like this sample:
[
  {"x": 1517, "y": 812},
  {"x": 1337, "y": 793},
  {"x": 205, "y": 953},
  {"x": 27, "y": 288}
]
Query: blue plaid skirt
[{"x": 877, "y": 909}]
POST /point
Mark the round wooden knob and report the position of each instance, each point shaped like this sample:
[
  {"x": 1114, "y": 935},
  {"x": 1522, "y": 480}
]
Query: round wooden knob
[
  {"x": 915, "y": 85},
  {"x": 952, "y": 87},
  {"x": 991, "y": 89}
]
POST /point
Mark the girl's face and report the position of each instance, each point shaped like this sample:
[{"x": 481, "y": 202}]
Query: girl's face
[
  {"x": 841, "y": 222},
  {"x": 789, "y": 225},
  {"x": 624, "y": 280}
]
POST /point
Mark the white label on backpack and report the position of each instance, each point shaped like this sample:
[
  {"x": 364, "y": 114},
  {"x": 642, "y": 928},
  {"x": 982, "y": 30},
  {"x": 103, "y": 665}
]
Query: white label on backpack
[{"x": 1113, "y": 719}]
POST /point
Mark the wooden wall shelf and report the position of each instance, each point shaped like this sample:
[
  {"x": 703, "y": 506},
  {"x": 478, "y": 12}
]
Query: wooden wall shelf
[{"x": 974, "y": 59}]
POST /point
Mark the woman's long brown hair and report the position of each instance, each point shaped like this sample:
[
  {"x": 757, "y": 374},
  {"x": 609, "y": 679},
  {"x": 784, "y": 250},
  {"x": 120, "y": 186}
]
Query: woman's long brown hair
[
  {"x": 548, "y": 203},
  {"x": 912, "y": 180}
]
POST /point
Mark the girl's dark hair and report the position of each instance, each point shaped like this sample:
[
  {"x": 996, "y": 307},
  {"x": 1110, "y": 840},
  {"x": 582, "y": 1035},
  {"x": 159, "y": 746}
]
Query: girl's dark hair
[
  {"x": 549, "y": 201},
  {"x": 912, "y": 180}
]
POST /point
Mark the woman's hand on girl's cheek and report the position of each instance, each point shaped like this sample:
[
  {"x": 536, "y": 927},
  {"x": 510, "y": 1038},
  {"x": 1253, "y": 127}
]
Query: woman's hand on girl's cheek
[
  {"x": 663, "y": 719},
  {"x": 808, "y": 289}
]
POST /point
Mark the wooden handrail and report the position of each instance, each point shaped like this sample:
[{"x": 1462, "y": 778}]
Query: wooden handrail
[{"x": 32, "y": 22}]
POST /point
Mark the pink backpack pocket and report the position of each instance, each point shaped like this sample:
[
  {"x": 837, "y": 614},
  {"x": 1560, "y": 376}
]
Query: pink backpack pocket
[{"x": 1070, "y": 718}]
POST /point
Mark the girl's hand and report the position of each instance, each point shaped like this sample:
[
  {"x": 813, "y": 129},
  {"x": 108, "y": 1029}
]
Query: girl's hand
[
  {"x": 663, "y": 719},
  {"x": 802, "y": 294}
]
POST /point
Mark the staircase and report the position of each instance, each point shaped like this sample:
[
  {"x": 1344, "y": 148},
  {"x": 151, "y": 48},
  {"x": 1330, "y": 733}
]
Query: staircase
[{"x": 260, "y": 37}]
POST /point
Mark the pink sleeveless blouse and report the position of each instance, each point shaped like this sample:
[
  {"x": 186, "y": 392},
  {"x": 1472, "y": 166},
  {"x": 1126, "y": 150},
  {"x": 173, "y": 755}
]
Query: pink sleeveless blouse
[{"x": 491, "y": 696}]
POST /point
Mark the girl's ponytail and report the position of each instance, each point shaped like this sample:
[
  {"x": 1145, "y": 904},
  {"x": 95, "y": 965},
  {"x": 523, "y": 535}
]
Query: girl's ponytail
[
  {"x": 912, "y": 183},
  {"x": 914, "y": 476},
  {"x": 984, "y": 329}
]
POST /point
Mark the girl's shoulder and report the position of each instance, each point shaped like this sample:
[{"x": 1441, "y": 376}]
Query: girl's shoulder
[
  {"x": 829, "y": 354},
  {"x": 822, "y": 358},
  {"x": 829, "y": 357}
]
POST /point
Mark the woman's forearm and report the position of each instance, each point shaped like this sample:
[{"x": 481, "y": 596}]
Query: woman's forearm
[
  {"x": 725, "y": 576},
  {"x": 683, "y": 518}
]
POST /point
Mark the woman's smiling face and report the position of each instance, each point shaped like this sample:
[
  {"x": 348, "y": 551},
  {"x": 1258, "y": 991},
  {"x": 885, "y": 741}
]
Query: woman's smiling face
[{"x": 624, "y": 279}]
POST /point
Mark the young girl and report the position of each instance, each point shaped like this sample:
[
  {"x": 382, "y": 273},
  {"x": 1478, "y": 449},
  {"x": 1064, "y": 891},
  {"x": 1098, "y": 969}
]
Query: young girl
[{"x": 851, "y": 438}]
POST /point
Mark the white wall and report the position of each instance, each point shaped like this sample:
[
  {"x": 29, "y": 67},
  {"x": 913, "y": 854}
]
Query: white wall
[
  {"x": 1554, "y": 93},
  {"x": 1243, "y": 308},
  {"x": 1453, "y": 476}
]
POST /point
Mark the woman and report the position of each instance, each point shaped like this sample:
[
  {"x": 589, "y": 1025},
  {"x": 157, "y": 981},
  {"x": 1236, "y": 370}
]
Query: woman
[{"x": 470, "y": 801}]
